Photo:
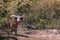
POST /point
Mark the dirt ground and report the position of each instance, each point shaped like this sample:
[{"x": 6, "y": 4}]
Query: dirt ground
[{"x": 41, "y": 35}]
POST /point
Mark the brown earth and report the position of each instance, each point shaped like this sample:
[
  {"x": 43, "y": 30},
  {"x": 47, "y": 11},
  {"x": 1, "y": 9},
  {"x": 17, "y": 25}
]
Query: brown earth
[{"x": 41, "y": 35}]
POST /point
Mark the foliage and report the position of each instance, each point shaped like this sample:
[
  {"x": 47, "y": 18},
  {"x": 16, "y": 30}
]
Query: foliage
[{"x": 42, "y": 14}]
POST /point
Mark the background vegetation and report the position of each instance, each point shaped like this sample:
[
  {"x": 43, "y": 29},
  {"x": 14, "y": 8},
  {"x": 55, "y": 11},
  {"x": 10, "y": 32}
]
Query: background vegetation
[{"x": 44, "y": 14}]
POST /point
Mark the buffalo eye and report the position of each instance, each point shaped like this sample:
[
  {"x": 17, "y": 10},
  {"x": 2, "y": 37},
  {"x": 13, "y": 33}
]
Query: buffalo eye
[{"x": 21, "y": 18}]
